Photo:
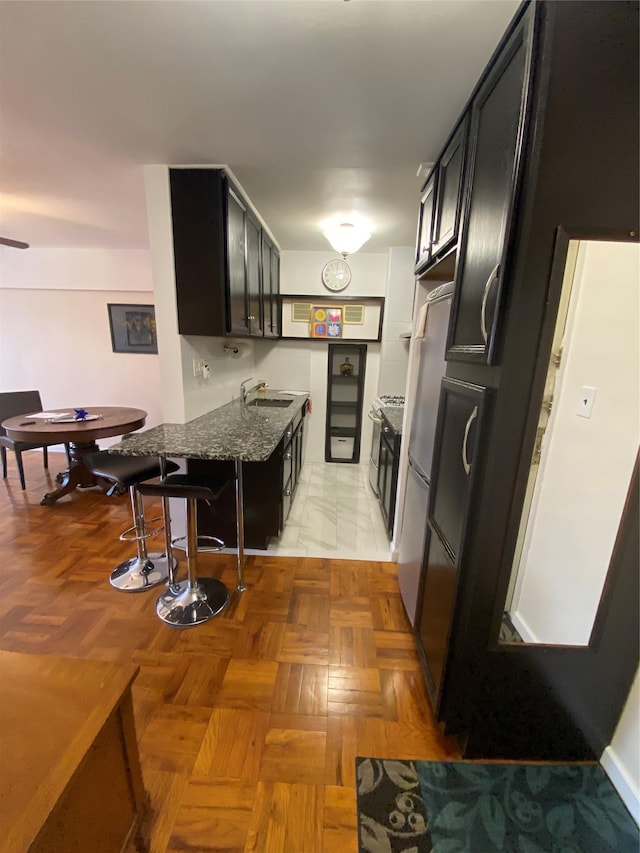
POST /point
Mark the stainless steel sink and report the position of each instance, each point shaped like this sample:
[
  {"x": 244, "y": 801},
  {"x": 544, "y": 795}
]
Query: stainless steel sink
[{"x": 269, "y": 403}]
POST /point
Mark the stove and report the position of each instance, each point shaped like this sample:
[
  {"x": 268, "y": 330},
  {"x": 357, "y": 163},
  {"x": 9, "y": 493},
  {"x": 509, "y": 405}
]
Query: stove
[{"x": 393, "y": 401}]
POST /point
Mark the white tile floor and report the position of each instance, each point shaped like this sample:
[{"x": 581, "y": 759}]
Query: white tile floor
[{"x": 334, "y": 514}]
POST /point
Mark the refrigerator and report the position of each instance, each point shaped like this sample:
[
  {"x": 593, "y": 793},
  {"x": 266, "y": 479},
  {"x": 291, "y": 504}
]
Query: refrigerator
[{"x": 431, "y": 334}]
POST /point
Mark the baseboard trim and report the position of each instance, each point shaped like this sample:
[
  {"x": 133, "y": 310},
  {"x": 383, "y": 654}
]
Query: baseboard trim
[{"x": 621, "y": 781}]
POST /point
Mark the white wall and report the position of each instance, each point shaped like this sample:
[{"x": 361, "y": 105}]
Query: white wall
[
  {"x": 54, "y": 328},
  {"x": 301, "y": 274},
  {"x": 394, "y": 356},
  {"x": 621, "y": 759},
  {"x": 586, "y": 464}
]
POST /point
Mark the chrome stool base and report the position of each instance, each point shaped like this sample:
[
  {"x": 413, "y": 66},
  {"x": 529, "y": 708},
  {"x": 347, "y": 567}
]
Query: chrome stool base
[
  {"x": 183, "y": 605},
  {"x": 139, "y": 575}
]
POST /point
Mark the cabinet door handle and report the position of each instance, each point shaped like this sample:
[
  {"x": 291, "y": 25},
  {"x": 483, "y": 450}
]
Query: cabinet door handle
[
  {"x": 495, "y": 273},
  {"x": 287, "y": 456},
  {"x": 287, "y": 492},
  {"x": 465, "y": 463},
  {"x": 373, "y": 418}
]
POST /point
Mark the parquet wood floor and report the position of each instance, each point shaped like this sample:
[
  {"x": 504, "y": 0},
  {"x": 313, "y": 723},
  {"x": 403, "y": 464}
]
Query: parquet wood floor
[{"x": 248, "y": 725}]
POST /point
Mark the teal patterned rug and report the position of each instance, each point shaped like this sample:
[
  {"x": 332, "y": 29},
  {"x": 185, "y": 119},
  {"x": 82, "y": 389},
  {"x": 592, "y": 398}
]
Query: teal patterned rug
[{"x": 472, "y": 807}]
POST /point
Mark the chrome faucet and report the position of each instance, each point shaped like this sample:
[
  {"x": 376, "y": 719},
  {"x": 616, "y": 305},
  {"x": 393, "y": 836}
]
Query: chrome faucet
[{"x": 244, "y": 392}]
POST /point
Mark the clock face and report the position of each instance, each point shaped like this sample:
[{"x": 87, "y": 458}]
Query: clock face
[{"x": 336, "y": 275}]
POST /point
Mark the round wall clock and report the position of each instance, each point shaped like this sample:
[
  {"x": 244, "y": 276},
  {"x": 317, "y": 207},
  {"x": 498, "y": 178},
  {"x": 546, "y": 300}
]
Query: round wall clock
[{"x": 336, "y": 275}]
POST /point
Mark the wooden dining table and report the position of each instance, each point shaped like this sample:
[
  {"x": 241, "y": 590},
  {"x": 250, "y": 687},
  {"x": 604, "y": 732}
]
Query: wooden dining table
[{"x": 81, "y": 435}]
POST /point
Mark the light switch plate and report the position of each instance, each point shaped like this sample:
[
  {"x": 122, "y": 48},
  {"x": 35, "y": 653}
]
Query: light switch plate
[{"x": 587, "y": 399}]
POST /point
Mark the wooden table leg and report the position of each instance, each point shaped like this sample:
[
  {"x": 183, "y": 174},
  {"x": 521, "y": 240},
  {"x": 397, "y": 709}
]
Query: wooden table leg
[{"x": 77, "y": 475}]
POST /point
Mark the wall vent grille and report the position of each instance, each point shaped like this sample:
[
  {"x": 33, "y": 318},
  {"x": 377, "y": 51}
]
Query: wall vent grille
[
  {"x": 300, "y": 312},
  {"x": 354, "y": 315}
]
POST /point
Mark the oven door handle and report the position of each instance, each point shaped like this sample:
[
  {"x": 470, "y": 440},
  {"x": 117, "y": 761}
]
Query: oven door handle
[{"x": 373, "y": 418}]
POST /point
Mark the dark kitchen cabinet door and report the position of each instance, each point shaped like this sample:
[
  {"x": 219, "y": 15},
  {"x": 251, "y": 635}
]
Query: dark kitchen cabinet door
[
  {"x": 425, "y": 222},
  {"x": 199, "y": 250},
  {"x": 388, "y": 481},
  {"x": 438, "y": 590},
  {"x": 461, "y": 414},
  {"x": 448, "y": 203},
  {"x": 497, "y": 116},
  {"x": 270, "y": 288},
  {"x": 236, "y": 261},
  {"x": 254, "y": 296}
]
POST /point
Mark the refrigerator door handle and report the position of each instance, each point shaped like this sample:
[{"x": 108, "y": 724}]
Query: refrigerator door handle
[
  {"x": 465, "y": 463},
  {"x": 418, "y": 473},
  {"x": 495, "y": 273}
]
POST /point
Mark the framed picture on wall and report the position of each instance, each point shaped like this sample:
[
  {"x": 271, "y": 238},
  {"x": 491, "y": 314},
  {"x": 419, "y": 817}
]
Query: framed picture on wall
[
  {"x": 326, "y": 321},
  {"x": 133, "y": 328}
]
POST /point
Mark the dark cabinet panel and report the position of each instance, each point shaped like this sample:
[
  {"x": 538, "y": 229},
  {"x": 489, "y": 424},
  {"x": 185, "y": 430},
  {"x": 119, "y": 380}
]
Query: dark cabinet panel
[
  {"x": 425, "y": 222},
  {"x": 496, "y": 119},
  {"x": 449, "y": 195},
  {"x": 268, "y": 489},
  {"x": 439, "y": 586},
  {"x": 198, "y": 220},
  {"x": 388, "y": 476},
  {"x": 270, "y": 288},
  {"x": 460, "y": 420},
  {"x": 236, "y": 253},
  {"x": 254, "y": 295}
]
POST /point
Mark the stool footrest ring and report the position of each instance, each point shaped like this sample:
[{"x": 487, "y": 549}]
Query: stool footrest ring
[
  {"x": 129, "y": 533},
  {"x": 209, "y": 543}
]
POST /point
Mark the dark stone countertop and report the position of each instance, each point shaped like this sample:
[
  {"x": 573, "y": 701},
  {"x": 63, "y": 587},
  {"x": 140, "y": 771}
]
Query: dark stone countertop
[
  {"x": 224, "y": 433},
  {"x": 394, "y": 414}
]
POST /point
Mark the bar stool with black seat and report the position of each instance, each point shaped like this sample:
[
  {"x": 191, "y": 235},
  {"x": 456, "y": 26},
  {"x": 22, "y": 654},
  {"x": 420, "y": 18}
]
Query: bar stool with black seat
[
  {"x": 145, "y": 570},
  {"x": 196, "y": 599}
]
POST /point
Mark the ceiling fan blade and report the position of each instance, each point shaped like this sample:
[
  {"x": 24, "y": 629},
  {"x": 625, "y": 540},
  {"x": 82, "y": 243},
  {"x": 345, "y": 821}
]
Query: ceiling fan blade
[{"x": 15, "y": 244}]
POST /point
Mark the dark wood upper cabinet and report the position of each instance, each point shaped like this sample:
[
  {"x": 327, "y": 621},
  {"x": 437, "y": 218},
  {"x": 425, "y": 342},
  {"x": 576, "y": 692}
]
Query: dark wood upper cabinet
[
  {"x": 270, "y": 288},
  {"x": 446, "y": 218},
  {"x": 496, "y": 121},
  {"x": 219, "y": 264},
  {"x": 237, "y": 264},
  {"x": 254, "y": 274},
  {"x": 425, "y": 222}
]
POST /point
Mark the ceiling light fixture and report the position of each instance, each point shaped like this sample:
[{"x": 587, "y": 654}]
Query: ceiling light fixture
[{"x": 346, "y": 237}]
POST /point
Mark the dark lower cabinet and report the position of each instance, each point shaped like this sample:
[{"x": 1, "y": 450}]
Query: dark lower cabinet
[
  {"x": 269, "y": 488},
  {"x": 436, "y": 597},
  {"x": 497, "y": 116},
  {"x": 388, "y": 473},
  {"x": 461, "y": 414}
]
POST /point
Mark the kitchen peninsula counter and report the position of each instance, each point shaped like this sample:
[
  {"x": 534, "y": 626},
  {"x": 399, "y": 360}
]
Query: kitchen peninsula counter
[
  {"x": 226, "y": 433},
  {"x": 259, "y": 448}
]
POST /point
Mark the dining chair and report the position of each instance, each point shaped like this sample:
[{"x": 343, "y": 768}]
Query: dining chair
[{"x": 14, "y": 403}]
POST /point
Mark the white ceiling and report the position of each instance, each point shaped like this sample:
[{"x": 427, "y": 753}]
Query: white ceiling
[{"x": 320, "y": 107}]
